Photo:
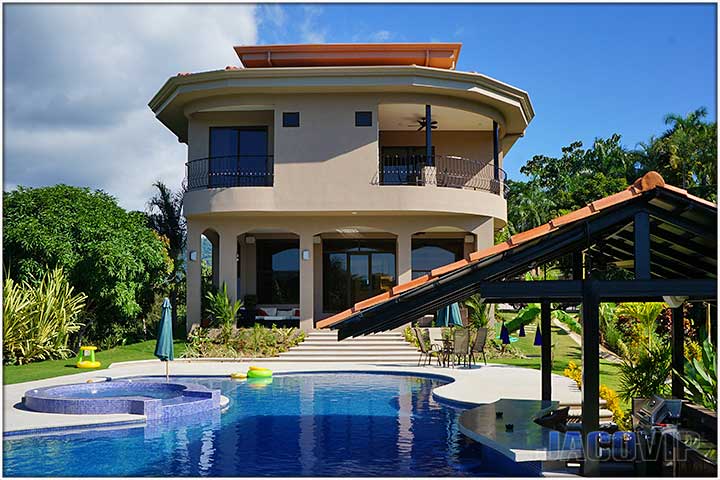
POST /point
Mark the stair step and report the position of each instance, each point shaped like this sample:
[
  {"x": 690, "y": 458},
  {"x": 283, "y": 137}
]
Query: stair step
[
  {"x": 375, "y": 345},
  {"x": 368, "y": 348},
  {"x": 346, "y": 353},
  {"x": 351, "y": 359}
]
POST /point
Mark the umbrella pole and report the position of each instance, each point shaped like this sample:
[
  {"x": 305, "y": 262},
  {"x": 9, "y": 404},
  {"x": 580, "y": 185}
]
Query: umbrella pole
[{"x": 167, "y": 371}]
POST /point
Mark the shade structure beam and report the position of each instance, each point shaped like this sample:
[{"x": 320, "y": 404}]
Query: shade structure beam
[
  {"x": 590, "y": 369},
  {"x": 489, "y": 269},
  {"x": 642, "y": 245},
  {"x": 546, "y": 350}
]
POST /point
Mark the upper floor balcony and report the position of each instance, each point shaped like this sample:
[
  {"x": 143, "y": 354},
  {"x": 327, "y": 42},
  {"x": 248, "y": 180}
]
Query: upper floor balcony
[{"x": 395, "y": 167}]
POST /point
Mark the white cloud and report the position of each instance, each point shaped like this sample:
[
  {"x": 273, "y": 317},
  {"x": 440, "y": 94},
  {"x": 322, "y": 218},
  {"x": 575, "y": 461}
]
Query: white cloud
[
  {"x": 310, "y": 31},
  {"x": 381, "y": 36},
  {"x": 78, "y": 79}
]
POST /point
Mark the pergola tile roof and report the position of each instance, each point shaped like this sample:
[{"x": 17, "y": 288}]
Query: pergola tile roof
[{"x": 648, "y": 182}]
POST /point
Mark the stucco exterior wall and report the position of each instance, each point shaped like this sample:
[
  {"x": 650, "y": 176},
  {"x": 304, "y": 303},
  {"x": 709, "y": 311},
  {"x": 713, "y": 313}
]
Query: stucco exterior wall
[{"x": 327, "y": 164}]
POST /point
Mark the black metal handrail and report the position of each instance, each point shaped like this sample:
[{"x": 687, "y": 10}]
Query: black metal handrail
[
  {"x": 230, "y": 171},
  {"x": 440, "y": 170}
]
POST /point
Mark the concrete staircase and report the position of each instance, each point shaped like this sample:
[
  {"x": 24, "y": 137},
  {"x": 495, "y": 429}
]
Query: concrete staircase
[{"x": 323, "y": 346}]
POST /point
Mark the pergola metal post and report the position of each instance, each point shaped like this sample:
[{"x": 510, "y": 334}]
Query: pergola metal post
[
  {"x": 678, "y": 352},
  {"x": 545, "y": 330},
  {"x": 577, "y": 265},
  {"x": 428, "y": 135},
  {"x": 590, "y": 368}
]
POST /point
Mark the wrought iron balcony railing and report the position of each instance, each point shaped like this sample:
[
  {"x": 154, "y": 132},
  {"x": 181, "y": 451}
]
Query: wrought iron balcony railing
[
  {"x": 442, "y": 171},
  {"x": 230, "y": 171}
]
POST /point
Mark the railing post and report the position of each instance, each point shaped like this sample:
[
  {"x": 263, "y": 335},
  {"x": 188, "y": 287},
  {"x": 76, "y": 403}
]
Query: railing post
[{"x": 428, "y": 135}]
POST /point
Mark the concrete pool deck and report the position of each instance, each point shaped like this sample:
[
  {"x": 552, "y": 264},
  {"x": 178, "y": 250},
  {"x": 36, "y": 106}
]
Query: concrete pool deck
[{"x": 481, "y": 384}]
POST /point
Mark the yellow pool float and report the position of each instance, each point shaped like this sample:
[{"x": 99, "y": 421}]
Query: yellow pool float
[
  {"x": 259, "y": 382},
  {"x": 87, "y": 351},
  {"x": 257, "y": 372},
  {"x": 238, "y": 375}
]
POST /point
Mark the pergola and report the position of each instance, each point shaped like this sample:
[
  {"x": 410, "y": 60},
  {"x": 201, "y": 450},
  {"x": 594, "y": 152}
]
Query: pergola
[{"x": 664, "y": 236}]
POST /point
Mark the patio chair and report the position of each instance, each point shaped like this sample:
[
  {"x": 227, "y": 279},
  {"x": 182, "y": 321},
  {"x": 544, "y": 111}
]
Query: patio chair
[
  {"x": 436, "y": 338},
  {"x": 478, "y": 345},
  {"x": 461, "y": 344},
  {"x": 424, "y": 350}
]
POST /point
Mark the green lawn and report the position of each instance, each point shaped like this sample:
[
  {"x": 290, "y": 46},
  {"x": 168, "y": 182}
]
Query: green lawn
[
  {"x": 56, "y": 368},
  {"x": 565, "y": 349}
]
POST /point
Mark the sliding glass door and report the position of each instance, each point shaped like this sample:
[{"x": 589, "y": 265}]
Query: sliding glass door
[
  {"x": 239, "y": 157},
  {"x": 354, "y": 270}
]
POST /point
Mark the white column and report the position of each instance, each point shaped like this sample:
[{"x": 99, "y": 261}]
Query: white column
[
  {"x": 228, "y": 262},
  {"x": 404, "y": 257},
  {"x": 192, "y": 277},
  {"x": 404, "y": 262},
  {"x": 307, "y": 300}
]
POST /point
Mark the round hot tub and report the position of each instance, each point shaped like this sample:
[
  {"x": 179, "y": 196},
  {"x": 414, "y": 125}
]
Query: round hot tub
[{"x": 154, "y": 399}]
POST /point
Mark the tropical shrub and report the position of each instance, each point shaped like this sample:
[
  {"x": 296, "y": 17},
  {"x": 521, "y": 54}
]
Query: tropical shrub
[
  {"x": 574, "y": 372},
  {"x": 410, "y": 336},
  {"x": 107, "y": 253},
  {"x": 567, "y": 319},
  {"x": 645, "y": 314},
  {"x": 223, "y": 311},
  {"x": 256, "y": 341},
  {"x": 39, "y": 317},
  {"x": 478, "y": 311},
  {"x": 646, "y": 373},
  {"x": 612, "y": 401},
  {"x": 700, "y": 377}
]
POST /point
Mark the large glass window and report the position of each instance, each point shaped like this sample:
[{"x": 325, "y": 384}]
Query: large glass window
[
  {"x": 430, "y": 253},
  {"x": 278, "y": 271},
  {"x": 354, "y": 270},
  {"x": 239, "y": 157}
]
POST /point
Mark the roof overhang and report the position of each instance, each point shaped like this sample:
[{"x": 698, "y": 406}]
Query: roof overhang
[
  {"x": 508, "y": 105},
  {"x": 437, "y": 55},
  {"x": 680, "y": 250}
]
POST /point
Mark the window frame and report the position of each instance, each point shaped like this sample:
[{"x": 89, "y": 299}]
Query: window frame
[
  {"x": 358, "y": 116},
  {"x": 286, "y": 116}
]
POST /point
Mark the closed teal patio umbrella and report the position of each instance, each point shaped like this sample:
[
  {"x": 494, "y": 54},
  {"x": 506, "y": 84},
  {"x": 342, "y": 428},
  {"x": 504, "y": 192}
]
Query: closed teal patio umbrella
[
  {"x": 449, "y": 316},
  {"x": 164, "y": 348}
]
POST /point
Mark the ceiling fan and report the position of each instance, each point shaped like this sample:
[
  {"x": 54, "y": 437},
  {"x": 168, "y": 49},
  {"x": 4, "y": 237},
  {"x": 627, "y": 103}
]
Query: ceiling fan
[{"x": 422, "y": 121}]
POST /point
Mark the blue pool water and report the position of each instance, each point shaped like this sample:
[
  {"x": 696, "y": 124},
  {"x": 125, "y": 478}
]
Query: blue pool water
[{"x": 340, "y": 424}]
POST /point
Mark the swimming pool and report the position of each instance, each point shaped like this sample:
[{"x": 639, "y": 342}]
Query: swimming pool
[{"x": 319, "y": 424}]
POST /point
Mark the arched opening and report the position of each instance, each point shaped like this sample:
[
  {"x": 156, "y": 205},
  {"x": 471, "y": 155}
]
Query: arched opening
[
  {"x": 209, "y": 268},
  {"x": 268, "y": 272}
]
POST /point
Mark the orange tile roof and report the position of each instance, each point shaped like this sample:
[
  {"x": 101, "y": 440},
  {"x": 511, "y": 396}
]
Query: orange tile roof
[
  {"x": 437, "y": 55},
  {"x": 649, "y": 181}
]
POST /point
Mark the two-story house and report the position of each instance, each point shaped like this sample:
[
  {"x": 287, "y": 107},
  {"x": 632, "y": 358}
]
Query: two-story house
[{"x": 323, "y": 175}]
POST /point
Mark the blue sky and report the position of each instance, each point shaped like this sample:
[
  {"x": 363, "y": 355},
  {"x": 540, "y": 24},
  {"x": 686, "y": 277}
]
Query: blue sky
[
  {"x": 77, "y": 78},
  {"x": 591, "y": 70}
]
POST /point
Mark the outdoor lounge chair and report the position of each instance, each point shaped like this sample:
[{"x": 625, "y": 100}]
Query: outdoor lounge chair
[
  {"x": 461, "y": 344},
  {"x": 478, "y": 345}
]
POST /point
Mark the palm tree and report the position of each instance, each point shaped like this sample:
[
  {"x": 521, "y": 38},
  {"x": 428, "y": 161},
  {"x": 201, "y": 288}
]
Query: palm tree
[{"x": 165, "y": 217}]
